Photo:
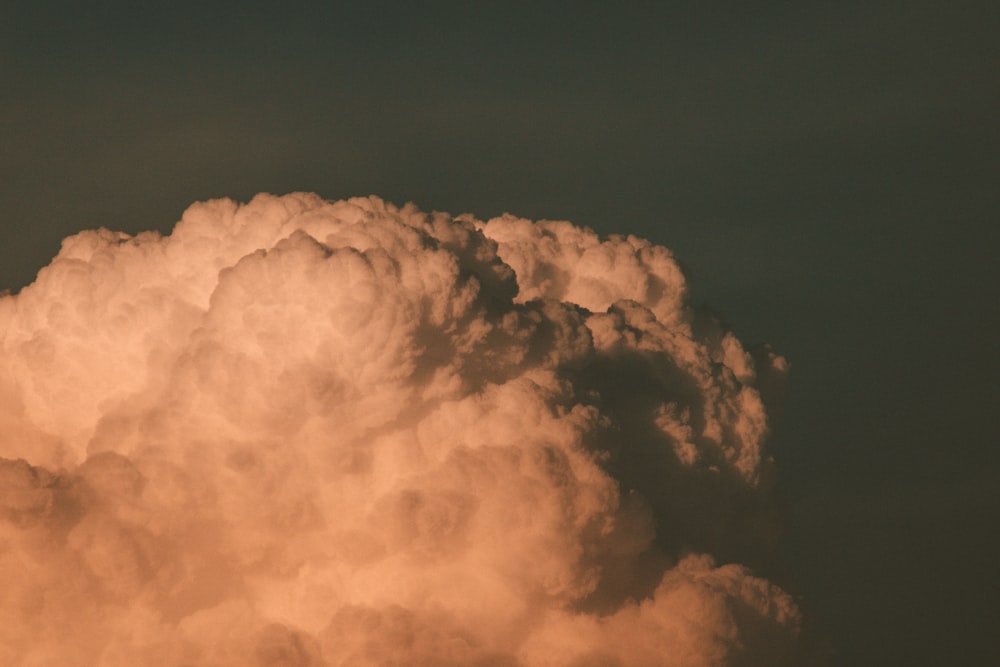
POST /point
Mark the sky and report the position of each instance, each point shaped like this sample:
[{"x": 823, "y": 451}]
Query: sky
[{"x": 826, "y": 175}]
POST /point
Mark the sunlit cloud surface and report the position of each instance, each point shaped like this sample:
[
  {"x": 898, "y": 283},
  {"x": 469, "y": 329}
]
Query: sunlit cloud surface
[{"x": 298, "y": 432}]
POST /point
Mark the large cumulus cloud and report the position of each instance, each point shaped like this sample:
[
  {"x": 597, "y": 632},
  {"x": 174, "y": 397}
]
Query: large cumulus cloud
[{"x": 301, "y": 432}]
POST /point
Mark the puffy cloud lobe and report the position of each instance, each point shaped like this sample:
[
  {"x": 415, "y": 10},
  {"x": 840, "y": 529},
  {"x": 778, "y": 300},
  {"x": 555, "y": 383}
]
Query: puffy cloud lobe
[{"x": 301, "y": 432}]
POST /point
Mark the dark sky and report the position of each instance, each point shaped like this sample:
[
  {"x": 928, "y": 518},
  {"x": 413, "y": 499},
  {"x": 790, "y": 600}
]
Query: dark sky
[{"x": 828, "y": 173}]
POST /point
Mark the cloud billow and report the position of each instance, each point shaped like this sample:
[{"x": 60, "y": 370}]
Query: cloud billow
[{"x": 302, "y": 432}]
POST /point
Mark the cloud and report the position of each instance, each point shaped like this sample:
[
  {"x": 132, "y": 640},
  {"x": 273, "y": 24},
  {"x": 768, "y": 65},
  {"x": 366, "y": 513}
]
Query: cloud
[{"x": 301, "y": 432}]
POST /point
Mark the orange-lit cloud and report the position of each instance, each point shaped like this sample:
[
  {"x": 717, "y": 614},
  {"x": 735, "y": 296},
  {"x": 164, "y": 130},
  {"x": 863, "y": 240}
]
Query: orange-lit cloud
[{"x": 301, "y": 432}]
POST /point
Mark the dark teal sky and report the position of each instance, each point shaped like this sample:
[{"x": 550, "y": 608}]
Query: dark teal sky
[{"x": 829, "y": 174}]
